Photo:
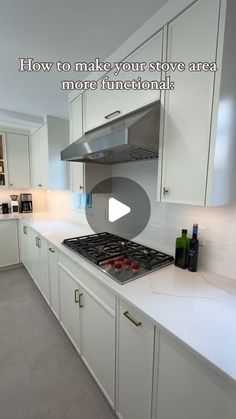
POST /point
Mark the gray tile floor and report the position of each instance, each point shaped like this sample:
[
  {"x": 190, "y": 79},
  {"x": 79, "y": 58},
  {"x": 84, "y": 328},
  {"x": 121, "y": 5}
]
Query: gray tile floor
[{"x": 41, "y": 375}]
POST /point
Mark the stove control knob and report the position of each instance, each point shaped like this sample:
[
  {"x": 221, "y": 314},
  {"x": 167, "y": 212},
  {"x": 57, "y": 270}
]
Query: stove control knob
[
  {"x": 118, "y": 267},
  {"x": 136, "y": 268},
  {"x": 128, "y": 264}
]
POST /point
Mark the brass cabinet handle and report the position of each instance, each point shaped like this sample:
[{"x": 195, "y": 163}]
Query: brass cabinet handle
[
  {"x": 135, "y": 322},
  {"x": 81, "y": 187},
  {"x": 24, "y": 229},
  {"x": 165, "y": 190},
  {"x": 80, "y": 301},
  {"x": 77, "y": 296},
  {"x": 39, "y": 242},
  {"x": 112, "y": 115},
  {"x": 40, "y": 185},
  {"x": 36, "y": 241},
  {"x": 51, "y": 250}
]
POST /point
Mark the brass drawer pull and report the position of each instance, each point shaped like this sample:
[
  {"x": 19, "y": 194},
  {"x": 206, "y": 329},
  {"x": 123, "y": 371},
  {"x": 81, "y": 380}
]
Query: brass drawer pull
[
  {"x": 135, "y": 322},
  {"x": 36, "y": 241},
  {"x": 51, "y": 250},
  {"x": 25, "y": 230},
  {"x": 165, "y": 191},
  {"x": 39, "y": 242},
  {"x": 80, "y": 301},
  {"x": 112, "y": 115},
  {"x": 76, "y": 296}
]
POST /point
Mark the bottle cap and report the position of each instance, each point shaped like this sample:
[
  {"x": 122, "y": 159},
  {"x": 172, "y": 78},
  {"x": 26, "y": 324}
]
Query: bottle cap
[{"x": 184, "y": 231}]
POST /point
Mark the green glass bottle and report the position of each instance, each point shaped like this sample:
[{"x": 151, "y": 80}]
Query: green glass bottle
[{"x": 182, "y": 250}]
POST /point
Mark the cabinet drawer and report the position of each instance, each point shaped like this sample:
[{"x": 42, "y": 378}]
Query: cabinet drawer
[{"x": 87, "y": 281}]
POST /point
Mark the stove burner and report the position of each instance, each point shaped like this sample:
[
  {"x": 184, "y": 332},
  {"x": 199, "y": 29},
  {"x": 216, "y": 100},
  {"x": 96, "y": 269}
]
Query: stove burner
[{"x": 103, "y": 247}]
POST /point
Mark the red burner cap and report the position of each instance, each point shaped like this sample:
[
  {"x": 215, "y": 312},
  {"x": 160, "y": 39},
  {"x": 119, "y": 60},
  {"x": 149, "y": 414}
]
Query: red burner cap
[
  {"x": 128, "y": 262},
  {"x": 136, "y": 266},
  {"x": 121, "y": 258},
  {"x": 118, "y": 266},
  {"x": 111, "y": 262}
]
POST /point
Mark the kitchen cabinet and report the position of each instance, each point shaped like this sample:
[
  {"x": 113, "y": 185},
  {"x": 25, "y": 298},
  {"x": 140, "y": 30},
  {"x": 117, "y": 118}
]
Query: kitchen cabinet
[
  {"x": 187, "y": 389},
  {"x": 134, "y": 364},
  {"x": 76, "y": 131},
  {"x": 9, "y": 250},
  {"x": 98, "y": 330},
  {"x": 70, "y": 305},
  {"x": 39, "y": 260},
  {"x": 53, "y": 280},
  {"x": 100, "y": 106},
  {"x": 3, "y": 164},
  {"x": 25, "y": 241},
  {"x": 47, "y": 169},
  {"x": 17, "y": 146},
  {"x": 84, "y": 176},
  {"x": 199, "y": 145}
]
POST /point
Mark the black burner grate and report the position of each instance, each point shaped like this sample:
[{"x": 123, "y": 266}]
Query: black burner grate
[{"x": 99, "y": 248}]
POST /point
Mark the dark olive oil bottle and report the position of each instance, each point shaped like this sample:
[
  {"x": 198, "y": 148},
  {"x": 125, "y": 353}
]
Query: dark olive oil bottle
[
  {"x": 182, "y": 250},
  {"x": 193, "y": 250}
]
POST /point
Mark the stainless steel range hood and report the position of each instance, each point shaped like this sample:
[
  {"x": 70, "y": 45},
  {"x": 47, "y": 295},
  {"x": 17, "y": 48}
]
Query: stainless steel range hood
[{"x": 129, "y": 138}]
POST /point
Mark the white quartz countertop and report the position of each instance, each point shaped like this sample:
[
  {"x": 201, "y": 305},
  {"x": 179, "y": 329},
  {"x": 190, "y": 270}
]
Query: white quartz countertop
[{"x": 199, "y": 309}]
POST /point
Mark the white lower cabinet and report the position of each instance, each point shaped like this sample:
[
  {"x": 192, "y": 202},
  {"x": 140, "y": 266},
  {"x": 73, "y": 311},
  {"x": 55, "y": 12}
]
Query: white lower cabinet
[
  {"x": 98, "y": 328},
  {"x": 70, "y": 304},
  {"x": 188, "y": 389},
  {"x": 53, "y": 280},
  {"x": 9, "y": 251},
  {"x": 134, "y": 364},
  {"x": 25, "y": 242}
]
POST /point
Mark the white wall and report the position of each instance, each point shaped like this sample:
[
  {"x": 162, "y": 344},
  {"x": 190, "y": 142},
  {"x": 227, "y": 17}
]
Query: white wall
[{"x": 167, "y": 220}]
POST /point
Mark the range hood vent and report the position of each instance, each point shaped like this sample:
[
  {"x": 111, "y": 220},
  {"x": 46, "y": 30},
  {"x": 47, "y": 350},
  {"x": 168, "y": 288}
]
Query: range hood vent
[{"x": 129, "y": 138}]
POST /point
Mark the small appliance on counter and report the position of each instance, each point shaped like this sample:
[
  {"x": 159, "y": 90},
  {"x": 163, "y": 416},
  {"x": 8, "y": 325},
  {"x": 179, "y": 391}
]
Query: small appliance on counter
[
  {"x": 4, "y": 208},
  {"x": 26, "y": 204},
  {"x": 123, "y": 260},
  {"x": 14, "y": 204}
]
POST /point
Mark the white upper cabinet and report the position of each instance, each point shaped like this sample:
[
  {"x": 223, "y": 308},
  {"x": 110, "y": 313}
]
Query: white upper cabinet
[
  {"x": 104, "y": 105},
  {"x": 76, "y": 131},
  {"x": 198, "y": 151},
  {"x": 188, "y": 107},
  {"x": 84, "y": 176},
  {"x": 18, "y": 161},
  {"x": 47, "y": 169}
]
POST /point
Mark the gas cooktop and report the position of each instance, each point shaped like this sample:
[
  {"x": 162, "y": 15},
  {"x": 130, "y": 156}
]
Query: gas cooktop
[{"x": 121, "y": 259}]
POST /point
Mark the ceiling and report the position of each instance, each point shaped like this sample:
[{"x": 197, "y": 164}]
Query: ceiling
[{"x": 52, "y": 30}]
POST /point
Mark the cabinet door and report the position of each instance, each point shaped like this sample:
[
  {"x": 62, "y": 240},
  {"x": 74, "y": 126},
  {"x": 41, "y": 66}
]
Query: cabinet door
[
  {"x": 44, "y": 277},
  {"x": 3, "y": 163},
  {"x": 39, "y": 158},
  {"x": 9, "y": 251},
  {"x": 18, "y": 161},
  {"x": 98, "y": 325},
  {"x": 44, "y": 157},
  {"x": 70, "y": 305},
  {"x": 101, "y": 104},
  {"x": 25, "y": 242},
  {"x": 135, "y": 364},
  {"x": 53, "y": 280},
  {"x": 76, "y": 131},
  {"x": 35, "y": 258},
  {"x": 188, "y": 107},
  {"x": 188, "y": 389}
]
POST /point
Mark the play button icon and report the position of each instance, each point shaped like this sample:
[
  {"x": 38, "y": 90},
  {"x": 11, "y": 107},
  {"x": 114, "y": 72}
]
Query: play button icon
[
  {"x": 117, "y": 210},
  {"x": 119, "y": 206}
]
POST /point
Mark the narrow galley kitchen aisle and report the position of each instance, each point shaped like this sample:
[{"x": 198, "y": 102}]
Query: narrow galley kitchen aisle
[{"x": 41, "y": 375}]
